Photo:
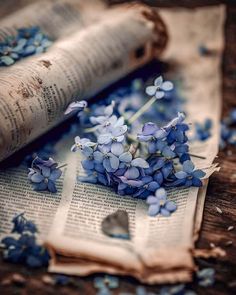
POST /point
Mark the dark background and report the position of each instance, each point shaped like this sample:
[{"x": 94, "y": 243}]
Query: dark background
[{"x": 221, "y": 190}]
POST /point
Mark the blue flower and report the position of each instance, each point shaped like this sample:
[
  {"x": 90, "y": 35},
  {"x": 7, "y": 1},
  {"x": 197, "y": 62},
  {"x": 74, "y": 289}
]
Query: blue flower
[
  {"x": 113, "y": 141},
  {"x": 189, "y": 177},
  {"x": 11, "y": 51},
  {"x": 28, "y": 33},
  {"x": 21, "y": 224},
  {"x": 24, "y": 249},
  {"x": 101, "y": 112},
  {"x": 39, "y": 43},
  {"x": 159, "y": 88},
  {"x": 132, "y": 165},
  {"x": 109, "y": 161},
  {"x": 76, "y": 106},
  {"x": 44, "y": 174},
  {"x": 94, "y": 177},
  {"x": 27, "y": 41},
  {"x": 148, "y": 185},
  {"x": 206, "y": 277},
  {"x": 159, "y": 204},
  {"x": 203, "y": 131},
  {"x": 104, "y": 285},
  {"x": 84, "y": 145}
]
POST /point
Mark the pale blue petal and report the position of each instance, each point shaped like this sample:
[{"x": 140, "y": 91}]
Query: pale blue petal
[
  {"x": 146, "y": 179},
  {"x": 132, "y": 173},
  {"x": 117, "y": 148},
  {"x": 98, "y": 156},
  {"x": 107, "y": 165},
  {"x": 144, "y": 137},
  {"x": 120, "y": 138},
  {"x": 39, "y": 49},
  {"x": 170, "y": 206},
  {"x": 118, "y": 131},
  {"x": 87, "y": 164},
  {"x": 90, "y": 178},
  {"x": 152, "y": 147},
  {"x": 167, "y": 86},
  {"x": 188, "y": 166},
  {"x": 152, "y": 200},
  {"x": 29, "y": 50},
  {"x": 7, "y": 60},
  {"x": 165, "y": 212},
  {"x": 199, "y": 173},
  {"x": 158, "y": 81},
  {"x": 104, "y": 138},
  {"x": 161, "y": 193},
  {"x": 56, "y": 173},
  {"x": 77, "y": 139},
  {"x": 119, "y": 122},
  {"x": 114, "y": 161},
  {"x": 153, "y": 185},
  {"x": 87, "y": 151},
  {"x": 45, "y": 171},
  {"x": 37, "y": 177},
  {"x": 181, "y": 175},
  {"x": 126, "y": 157},
  {"x": 102, "y": 179},
  {"x": 149, "y": 128},
  {"x": 151, "y": 90},
  {"x": 160, "y": 134},
  {"x": 42, "y": 186},
  {"x": 51, "y": 186},
  {"x": 153, "y": 210},
  {"x": 139, "y": 162},
  {"x": 74, "y": 148},
  {"x": 159, "y": 94}
]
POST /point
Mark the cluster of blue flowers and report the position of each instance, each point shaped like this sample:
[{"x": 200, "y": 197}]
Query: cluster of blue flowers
[
  {"x": 203, "y": 131},
  {"x": 26, "y": 42},
  {"x": 24, "y": 249},
  {"x": 228, "y": 130},
  {"x": 43, "y": 174},
  {"x": 142, "y": 166}
]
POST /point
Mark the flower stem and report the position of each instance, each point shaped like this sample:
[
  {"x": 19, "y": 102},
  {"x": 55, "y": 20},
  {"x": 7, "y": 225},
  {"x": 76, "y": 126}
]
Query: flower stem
[
  {"x": 196, "y": 156},
  {"x": 92, "y": 129},
  {"x": 62, "y": 166},
  {"x": 143, "y": 109}
]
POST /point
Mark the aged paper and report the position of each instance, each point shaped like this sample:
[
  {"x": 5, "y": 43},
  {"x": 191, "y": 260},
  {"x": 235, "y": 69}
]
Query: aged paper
[
  {"x": 162, "y": 245},
  {"x": 160, "y": 248},
  {"x": 35, "y": 92},
  {"x": 58, "y": 18}
]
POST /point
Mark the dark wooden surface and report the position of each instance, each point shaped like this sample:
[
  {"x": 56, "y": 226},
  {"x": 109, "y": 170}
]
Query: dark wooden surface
[{"x": 221, "y": 193}]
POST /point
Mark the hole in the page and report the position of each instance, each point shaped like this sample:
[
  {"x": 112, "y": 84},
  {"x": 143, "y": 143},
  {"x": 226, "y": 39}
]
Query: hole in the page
[{"x": 139, "y": 52}]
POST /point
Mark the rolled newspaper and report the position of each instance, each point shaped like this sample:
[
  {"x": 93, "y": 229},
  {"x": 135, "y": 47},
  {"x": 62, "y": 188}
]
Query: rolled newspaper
[
  {"x": 35, "y": 92},
  {"x": 57, "y": 18}
]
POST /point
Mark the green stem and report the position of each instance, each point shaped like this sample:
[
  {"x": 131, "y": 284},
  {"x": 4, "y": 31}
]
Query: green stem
[
  {"x": 91, "y": 130},
  {"x": 143, "y": 109}
]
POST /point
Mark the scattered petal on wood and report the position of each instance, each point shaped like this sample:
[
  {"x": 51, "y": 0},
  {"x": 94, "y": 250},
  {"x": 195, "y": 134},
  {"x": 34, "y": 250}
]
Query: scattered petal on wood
[
  {"x": 18, "y": 279},
  {"x": 116, "y": 225},
  {"x": 229, "y": 243},
  {"x": 48, "y": 280},
  {"x": 231, "y": 227},
  {"x": 219, "y": 210},
  {"x": 212, "y": 245}
]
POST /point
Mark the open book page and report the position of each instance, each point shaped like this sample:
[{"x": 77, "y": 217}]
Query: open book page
[
  {"x": 35, "y": 92},
  {"x": 17, "y": 196},
  {"x": 76, "y": 231},
  {"x": 58, "y": 18}
]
